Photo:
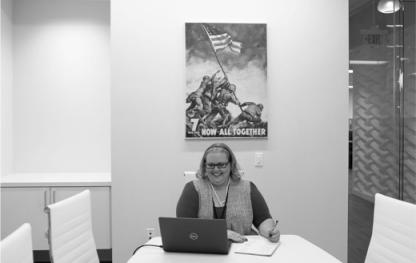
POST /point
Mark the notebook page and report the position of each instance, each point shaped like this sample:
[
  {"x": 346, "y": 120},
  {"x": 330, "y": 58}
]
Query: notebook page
[{"x": 257, "y": 246}]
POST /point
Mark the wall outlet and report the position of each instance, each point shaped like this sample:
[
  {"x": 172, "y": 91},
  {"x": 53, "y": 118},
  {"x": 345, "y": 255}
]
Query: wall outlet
[
  {"x": 150, "y": 232},
  {"x": 258, "y": 159}
]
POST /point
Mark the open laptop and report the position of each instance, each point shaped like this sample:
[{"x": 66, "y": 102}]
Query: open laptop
[{"x": 194, "y": 235}]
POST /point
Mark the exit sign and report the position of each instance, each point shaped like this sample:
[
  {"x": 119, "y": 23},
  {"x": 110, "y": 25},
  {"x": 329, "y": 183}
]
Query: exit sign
[{"x": 373, "y": 36}]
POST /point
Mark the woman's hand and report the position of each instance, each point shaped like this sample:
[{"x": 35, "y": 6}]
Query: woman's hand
[
  {"x": 274, "y": 235},
  {"x": 268, "y": 229},
  {"x": 236, "y": 237}
]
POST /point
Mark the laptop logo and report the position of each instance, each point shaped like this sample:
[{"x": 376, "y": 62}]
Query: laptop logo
[{"x": 193, "y": 236}]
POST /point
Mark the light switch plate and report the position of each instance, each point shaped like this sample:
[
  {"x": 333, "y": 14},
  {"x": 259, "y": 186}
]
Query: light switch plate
[
  {"x": 189, "y": 176},
  {"x": 258, "y": 159}
]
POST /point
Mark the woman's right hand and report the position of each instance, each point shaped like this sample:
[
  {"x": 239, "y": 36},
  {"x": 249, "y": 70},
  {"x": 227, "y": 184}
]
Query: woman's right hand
[{"x": 236, "y": 237}]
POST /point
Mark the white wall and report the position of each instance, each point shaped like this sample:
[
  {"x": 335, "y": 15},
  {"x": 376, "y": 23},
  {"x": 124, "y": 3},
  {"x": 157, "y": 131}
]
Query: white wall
[
  {"x": 6, "y": 86},
  {"x": 61, "y": 89},
  {"x": 304, "y": 178}
]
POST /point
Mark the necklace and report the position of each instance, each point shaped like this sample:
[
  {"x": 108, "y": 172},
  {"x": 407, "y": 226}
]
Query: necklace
[{"x": 217, "y": 197}]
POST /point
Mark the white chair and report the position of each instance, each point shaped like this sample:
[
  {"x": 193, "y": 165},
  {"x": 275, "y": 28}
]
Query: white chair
[
  {"x": 394, "y": 232},
  {"x": 70, "y": 230},
  {"x": 17, "y": 247}
]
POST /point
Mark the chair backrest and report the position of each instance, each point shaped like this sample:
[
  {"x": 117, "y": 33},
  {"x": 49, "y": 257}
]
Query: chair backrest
[
  {"x": 17, "y": 247},
  {"x": 70, "y": 230},
  {"x": 394, "y": 232}
]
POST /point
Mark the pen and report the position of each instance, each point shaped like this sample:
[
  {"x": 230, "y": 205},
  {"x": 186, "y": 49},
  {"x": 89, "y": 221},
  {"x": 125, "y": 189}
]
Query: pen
[{"x": 276, "y": 221}]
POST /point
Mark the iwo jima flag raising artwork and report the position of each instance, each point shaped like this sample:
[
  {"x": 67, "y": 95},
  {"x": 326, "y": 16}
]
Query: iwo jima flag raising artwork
[{"x": 226, "y": 77}]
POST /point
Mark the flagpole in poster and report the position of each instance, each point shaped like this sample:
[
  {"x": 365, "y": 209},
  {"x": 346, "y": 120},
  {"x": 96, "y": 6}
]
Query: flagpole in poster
[
  {"x": 215, "y": 53},
  {"x": 219, "y": 63}
]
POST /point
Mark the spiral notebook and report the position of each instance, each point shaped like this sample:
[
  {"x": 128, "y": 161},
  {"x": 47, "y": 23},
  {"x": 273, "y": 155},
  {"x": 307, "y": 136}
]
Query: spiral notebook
[{"x": 257, "y": 245}]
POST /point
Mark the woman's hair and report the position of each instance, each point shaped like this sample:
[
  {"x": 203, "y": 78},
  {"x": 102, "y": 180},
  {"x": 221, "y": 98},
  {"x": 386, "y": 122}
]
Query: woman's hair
[{"x": 220, "y": 147}]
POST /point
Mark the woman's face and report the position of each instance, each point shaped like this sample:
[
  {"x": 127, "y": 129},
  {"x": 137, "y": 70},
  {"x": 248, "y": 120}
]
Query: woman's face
[{"x": 217, "y": 168}]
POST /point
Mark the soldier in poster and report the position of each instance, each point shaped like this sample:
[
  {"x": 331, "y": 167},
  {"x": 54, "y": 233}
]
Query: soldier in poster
[{"x": 226, "y": 80}]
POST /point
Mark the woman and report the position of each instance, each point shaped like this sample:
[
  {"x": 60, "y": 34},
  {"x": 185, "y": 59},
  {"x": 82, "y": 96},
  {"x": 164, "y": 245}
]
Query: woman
[{"x": 219, "y": 192}]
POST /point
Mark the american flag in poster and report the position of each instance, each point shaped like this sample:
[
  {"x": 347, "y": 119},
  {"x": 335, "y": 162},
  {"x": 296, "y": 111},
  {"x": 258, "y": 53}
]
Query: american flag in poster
[{"x": 220, "y": 40}]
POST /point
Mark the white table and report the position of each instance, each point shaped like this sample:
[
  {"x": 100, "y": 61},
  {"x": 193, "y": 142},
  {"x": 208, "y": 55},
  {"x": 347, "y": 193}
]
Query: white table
[{"x": 293, "y": 249}]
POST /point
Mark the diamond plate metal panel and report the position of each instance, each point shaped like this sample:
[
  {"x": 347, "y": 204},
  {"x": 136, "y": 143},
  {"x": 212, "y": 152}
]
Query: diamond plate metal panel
[{"x": 374, "y": 156}]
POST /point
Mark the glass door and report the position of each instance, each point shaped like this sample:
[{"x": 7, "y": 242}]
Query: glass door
[
  {"x": 382, "y": 112},
  {"x": 407, "y": 17}
]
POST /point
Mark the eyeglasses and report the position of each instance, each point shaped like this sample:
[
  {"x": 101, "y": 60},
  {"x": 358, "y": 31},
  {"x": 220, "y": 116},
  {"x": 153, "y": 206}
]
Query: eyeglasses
[{"x": 218, "y": 165}]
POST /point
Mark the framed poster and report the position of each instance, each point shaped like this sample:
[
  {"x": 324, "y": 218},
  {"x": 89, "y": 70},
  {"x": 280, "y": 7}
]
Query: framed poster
[{"x": 226, "y": 80}]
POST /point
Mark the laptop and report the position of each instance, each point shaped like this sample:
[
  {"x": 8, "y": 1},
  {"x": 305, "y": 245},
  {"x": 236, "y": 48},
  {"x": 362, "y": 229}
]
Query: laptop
[{"x": 194, "y": 235}]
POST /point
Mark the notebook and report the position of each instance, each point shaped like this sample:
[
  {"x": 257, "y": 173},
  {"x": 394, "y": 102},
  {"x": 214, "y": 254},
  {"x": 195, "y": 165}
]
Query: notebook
[
  {"x": 257, "y": 245},
  {"x": 194, "y": 235}
]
